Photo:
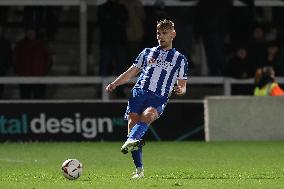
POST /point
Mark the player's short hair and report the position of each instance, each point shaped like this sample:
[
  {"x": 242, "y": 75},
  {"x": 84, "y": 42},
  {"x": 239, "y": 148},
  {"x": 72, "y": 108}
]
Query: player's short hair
[{"x": 165, "y": 24}]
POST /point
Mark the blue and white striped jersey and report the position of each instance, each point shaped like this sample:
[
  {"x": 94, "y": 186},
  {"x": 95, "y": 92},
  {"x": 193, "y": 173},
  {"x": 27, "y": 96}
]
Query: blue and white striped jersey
[{"x": 160, "y": 70}]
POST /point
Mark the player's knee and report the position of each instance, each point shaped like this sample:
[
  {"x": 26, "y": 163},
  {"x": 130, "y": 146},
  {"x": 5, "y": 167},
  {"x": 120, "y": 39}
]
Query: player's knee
[
  {"x": 133, "y": 118},
  {"x": 149, "y": 115}
]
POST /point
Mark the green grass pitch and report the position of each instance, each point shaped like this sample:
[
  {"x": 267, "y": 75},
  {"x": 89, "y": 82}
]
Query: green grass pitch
[{"x": 187, "y": 165}]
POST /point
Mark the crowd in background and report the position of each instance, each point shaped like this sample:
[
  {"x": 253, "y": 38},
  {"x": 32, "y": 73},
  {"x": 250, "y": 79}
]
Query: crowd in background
[{"x": 237, "y": 41}]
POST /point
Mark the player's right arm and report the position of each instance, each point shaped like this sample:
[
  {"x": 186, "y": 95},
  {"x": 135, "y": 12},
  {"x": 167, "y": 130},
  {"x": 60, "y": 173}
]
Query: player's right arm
[{"x": 123, "y": 78}]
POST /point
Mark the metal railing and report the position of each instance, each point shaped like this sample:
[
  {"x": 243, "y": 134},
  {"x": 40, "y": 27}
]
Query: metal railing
[{"x": 226, "y": 82}]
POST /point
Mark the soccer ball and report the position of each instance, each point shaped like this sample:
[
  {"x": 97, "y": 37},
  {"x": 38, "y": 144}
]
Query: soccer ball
[{"x": 72, "y": 169}]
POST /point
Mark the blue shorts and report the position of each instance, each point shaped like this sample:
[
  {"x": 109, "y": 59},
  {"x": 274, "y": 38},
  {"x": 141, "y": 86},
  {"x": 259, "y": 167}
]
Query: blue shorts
[{"x": 141, "y": 99}]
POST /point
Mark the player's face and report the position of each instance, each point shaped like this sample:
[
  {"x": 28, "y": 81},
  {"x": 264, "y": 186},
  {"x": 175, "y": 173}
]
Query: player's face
[{"x": 165, "y": 38}]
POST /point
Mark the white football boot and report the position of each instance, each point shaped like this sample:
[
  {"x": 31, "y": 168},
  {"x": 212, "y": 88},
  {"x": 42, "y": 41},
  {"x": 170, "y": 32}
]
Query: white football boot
[
  {"x": 131, "y": 145},
  {"x": 139, "y": 173}
]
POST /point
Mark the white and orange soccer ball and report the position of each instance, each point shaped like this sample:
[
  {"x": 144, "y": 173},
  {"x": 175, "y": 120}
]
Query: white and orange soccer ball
[{"x": 72, "y": 169}]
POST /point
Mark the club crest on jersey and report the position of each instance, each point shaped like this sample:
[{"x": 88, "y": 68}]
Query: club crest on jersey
[{"x": 152, "y": 61}]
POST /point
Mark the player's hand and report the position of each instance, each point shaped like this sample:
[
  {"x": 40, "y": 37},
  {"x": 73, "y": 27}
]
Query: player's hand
[
  {"x": 110, "y": 87},
  {"x": 178, "y": 90}
]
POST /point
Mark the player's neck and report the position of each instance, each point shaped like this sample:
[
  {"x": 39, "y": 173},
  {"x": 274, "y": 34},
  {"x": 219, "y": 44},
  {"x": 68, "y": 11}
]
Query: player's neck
[{"x": 167, "y": 48}]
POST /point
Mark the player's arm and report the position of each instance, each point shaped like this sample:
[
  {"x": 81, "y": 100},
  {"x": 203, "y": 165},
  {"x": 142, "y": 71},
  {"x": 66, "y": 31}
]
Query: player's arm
[
  {"x": 180, "y": 88},
  {"x": 123, "y": 78}
]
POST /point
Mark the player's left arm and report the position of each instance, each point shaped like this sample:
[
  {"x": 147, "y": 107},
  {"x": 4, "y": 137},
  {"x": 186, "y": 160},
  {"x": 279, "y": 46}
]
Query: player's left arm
[{"x": 180, "y": 88}]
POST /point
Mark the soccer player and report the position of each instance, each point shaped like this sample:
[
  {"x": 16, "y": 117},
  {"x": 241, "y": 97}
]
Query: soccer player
[{"x": 162, "y": 70}]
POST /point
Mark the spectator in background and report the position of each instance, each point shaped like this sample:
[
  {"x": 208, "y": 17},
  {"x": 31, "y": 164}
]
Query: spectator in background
[
  {"x": 265, "y": 84},
  {"x": 6, "y": 56},
  {"x": 32, "y": 58},
  {"x": 239, "y": 65},
  {"x": 257, "y": 47},
  {"x": 112, "y": 20},
  {"x": 211, "y": 26},
  {"x": 135, "y": 27},
  {"x": 275, "y": 57}
]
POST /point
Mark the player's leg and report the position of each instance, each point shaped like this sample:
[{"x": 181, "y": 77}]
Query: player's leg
[
  {"x": 147, "y": 117},
  {"x": 132, "y": 143},
  {"x": 136, "y": 105},
  {"x": 133, "y": 118}
]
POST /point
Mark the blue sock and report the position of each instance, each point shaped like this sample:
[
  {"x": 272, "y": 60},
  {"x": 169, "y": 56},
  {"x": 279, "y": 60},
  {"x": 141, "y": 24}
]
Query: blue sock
[
  {"x": 137, "y": 157},
  {"x": 136, "y": 133},
  {"x": 138, "y": 130}
]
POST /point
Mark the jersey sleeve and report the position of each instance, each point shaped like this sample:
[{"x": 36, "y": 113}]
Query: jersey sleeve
[
  {"x": 183, "y": 70},
  {"x": 138, "y": 62}
]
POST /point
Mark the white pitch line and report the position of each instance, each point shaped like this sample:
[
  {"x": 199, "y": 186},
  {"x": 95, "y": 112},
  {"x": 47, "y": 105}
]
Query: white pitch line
[{"x": 11, "y": 160}]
